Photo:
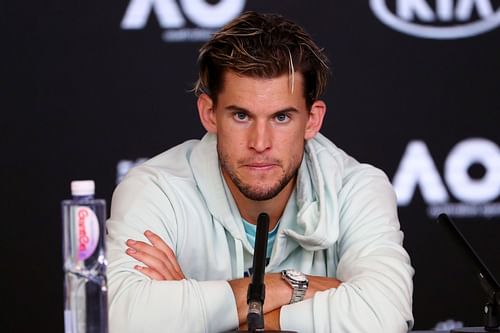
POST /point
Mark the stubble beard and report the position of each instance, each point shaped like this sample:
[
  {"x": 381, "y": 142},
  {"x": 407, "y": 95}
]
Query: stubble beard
[{"x": 257, "y": 193}]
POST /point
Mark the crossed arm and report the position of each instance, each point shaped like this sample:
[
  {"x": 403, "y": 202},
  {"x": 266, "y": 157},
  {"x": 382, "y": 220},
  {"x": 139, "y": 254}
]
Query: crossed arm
[{"x": 160, "y": 263}]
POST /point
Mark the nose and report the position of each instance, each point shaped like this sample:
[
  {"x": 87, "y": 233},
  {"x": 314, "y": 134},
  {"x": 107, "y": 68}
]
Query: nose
[{"x": 260, "y": 136}]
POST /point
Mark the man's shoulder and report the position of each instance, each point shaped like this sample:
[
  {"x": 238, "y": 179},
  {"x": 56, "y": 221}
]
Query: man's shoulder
[
  {"x": 178, "y": 174},
  {"x": 346, "y": 166},
  {"x": 174, "y": 163}
]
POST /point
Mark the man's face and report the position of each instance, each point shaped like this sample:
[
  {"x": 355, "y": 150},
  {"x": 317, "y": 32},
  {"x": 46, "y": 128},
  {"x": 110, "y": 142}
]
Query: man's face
[{"x": 261, "y": 125}]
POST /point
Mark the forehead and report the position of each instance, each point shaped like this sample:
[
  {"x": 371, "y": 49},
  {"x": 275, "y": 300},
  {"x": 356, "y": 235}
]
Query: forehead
[{"x": 284, "y": 90}]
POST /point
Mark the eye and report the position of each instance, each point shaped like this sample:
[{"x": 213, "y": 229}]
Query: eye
[
  {"x": 240, "y": 116},
  {"x": 282, "y": 118}
]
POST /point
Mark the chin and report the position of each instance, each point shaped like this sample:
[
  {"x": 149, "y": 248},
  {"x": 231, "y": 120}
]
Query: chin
[{"x": 260, "y": 193}]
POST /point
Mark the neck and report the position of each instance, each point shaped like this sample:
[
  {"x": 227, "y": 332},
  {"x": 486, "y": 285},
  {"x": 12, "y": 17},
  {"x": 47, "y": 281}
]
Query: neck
[{"x": 250, "y": 209}]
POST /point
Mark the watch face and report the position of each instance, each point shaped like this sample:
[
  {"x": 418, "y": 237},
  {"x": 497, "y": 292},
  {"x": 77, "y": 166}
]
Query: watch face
[{"x": 296, "y": 275}]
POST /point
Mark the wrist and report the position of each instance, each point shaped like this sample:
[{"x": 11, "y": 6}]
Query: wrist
[
  {"x": 298, "y": 282},
  {"x": 278, "y": 292}
]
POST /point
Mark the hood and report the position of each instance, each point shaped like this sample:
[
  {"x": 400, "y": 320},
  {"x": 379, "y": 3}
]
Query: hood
[
  {"x": 313, "y": 222},
  {"x": 318, "y": 182},
  {"x": 205, "y": 164}
]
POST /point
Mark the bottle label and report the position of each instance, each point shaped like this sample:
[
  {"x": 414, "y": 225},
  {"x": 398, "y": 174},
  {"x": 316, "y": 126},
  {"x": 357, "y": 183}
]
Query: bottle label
[{"x": 88, "y": 231}]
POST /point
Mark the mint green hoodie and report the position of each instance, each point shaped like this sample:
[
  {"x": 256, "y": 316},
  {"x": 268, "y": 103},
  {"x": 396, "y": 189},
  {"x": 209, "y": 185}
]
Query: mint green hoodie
[{"x": 341, "y": 221}]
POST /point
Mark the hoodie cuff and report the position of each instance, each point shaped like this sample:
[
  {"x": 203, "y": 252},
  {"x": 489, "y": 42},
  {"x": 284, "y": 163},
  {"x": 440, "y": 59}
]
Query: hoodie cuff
[
  {"x": 300, "y": 316},
  {"x": 297, "y": 317},
  {"x": 220, "y": 305}
]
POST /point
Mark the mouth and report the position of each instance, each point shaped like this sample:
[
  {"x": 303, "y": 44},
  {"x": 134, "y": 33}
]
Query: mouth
[{"x": 260, "y": 166}]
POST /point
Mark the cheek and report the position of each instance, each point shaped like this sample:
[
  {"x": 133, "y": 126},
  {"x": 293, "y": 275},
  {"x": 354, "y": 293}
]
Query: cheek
[
  {"x": 293, "y": 137},
  {"x": 230, "y": 140},
  {"x": 291, "y": 146},
  {"x": 297, "y": 150}
]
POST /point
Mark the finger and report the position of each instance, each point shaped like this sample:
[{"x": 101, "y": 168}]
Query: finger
[
  {"x": 165, "y": 273},
  {"x": 158, "y": 242},
  {"x": 146, "y": 248},
  {"x": 151, "y": 273},
  {"x": 166, "y": 269},
  {"x": 166, "y": 264},
  {"x": 149, "y": 250}
]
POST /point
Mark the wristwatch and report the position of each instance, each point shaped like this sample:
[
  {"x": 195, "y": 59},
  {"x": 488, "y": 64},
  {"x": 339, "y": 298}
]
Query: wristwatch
[{"x": 298, "y": 281}]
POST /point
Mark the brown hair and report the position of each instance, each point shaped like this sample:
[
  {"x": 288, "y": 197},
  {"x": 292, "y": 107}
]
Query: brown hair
[{"x": 263, "y": 46}]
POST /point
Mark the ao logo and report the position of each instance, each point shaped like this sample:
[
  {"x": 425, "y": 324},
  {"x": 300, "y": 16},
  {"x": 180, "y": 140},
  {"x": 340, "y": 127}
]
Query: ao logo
[
  {"x": 418, "y": 169},
  {"x": 169, "y": 13},
  {"x": 448, "y": 20}
]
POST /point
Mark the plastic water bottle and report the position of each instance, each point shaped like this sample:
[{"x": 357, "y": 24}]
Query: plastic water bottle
[{"x": 84, "y": 255}]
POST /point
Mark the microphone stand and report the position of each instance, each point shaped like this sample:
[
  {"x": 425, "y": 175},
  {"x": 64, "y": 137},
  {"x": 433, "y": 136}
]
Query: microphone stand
[
  {"x": 487, "y": 280},
  {"x": 257, "y": 289}
]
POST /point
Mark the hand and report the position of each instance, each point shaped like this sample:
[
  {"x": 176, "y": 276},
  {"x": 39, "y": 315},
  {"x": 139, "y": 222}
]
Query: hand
[
  {"x": 160, "y": 260},
  {"x": 271, "y": 321},
  {"x": 278, "y": 293}
]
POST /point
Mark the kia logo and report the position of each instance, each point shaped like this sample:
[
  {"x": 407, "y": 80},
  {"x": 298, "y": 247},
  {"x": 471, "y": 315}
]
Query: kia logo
[{"x": 448, "y": 19}]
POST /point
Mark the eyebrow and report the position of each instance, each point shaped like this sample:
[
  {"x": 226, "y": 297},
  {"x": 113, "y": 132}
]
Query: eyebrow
[{"x": 235, "y": 108}]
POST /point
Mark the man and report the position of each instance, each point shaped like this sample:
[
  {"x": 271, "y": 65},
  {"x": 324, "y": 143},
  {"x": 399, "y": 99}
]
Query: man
[{"x": 182, "y": 224}]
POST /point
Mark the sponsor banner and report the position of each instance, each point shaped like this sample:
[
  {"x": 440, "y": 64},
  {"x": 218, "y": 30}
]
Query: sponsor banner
[
  {"x": 469, "y": 186},
  {"x": 184, "y": 20},
  {"x": 439, "y": 19}
]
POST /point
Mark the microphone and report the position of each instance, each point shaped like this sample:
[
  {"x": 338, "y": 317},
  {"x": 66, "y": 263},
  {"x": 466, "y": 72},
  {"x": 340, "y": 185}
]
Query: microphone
[
  {"x": 256, "y": 292},
  {"x": 257, "y": 289},
  {"x": 488, "y": 282}
]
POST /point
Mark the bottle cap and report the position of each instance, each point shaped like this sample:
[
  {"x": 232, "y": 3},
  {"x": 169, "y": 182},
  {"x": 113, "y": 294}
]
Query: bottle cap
[{"x": 82, "y": 187}]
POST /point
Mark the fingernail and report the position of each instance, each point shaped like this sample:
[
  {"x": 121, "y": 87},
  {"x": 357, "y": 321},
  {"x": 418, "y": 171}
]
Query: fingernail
[
  {"x": 147, "y": 233},
  {"x": 138, "y": 267},
  {"x": 131, "y": 251},
  {"x": 131, "y": 242}
]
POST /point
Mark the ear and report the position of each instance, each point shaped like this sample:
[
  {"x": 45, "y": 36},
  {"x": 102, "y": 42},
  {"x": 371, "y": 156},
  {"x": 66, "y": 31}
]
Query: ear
[
  {"x": 315, "y": 121},
  {"x": 207, "y": 113}
]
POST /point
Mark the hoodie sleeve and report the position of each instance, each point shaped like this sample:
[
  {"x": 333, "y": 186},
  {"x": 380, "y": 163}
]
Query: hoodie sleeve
[
  {"x": 376, "y": 293},
  {"x": 139, "y": 304}
]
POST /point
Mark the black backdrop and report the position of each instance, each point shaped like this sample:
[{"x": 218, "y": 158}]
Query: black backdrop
[{"x": 82, "y": 93}]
